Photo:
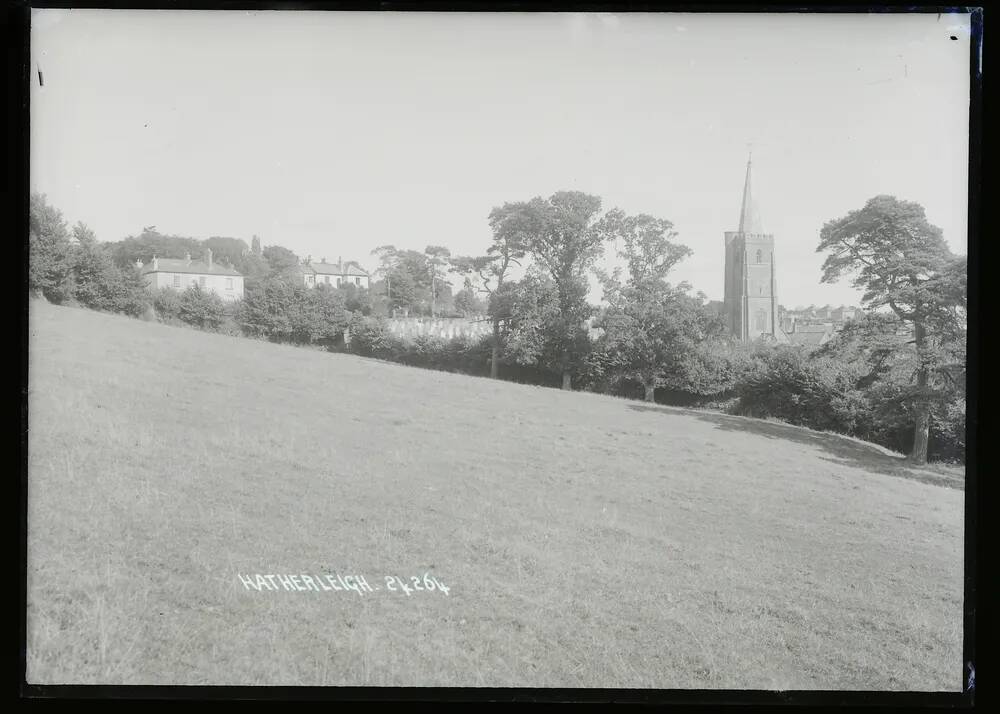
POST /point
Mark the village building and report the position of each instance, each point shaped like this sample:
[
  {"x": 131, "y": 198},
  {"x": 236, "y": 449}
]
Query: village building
[
  {"x": 750, "y": 302},
  {"x": 182, "y": 273},
  {"x": 815, "y": 335},
  {"x": 334, "y": 274},
  {"x": 750, "y": 306}
]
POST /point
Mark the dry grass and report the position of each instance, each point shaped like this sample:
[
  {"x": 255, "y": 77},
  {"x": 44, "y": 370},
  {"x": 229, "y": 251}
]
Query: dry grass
[{"x": 588, "y": 541}]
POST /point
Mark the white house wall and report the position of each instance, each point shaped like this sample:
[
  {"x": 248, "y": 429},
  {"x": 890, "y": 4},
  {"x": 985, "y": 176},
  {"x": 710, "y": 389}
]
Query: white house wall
[
  {"x": 322, "y": 279},
  {"x": 213, "y": 283}
]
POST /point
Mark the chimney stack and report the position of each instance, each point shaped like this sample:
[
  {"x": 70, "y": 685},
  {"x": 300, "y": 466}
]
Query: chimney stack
[
  {"x": 323, "y": 261},
  {"x": 138, "y": 263},
  {"x": 155, "y": 265},
  {"x": 208, "y": 257}
]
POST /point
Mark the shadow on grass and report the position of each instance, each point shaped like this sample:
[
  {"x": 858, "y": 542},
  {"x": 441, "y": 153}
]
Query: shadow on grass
[{"x": 840, "y": 449}]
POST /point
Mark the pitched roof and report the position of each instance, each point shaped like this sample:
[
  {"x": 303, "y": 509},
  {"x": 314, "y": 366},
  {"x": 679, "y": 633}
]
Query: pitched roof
[
  {"x": 810, "y": 338},
  {"x": 180, "y": 265},
  {"x": 348, "y": 268}
]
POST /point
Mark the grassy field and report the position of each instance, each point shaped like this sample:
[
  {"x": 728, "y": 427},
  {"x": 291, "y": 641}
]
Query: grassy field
[{"x": 587, "y": 541}]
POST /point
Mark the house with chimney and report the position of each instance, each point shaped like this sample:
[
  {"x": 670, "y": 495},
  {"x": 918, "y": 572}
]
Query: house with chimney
[
  {"x": 334, "y": 274},
  {"x": 182, "y": 273}
]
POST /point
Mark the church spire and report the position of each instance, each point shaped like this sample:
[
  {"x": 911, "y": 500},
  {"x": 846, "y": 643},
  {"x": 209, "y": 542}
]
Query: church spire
[{"x": 749, "y": 220}]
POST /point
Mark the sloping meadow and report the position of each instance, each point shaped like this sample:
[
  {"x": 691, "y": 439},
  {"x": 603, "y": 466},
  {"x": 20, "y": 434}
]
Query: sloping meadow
[{"x": 179, "y": 479}]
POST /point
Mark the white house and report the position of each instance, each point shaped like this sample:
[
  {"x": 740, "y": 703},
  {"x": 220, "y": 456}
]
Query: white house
[
  {"x": 180, "y": 274},
  {"x": 334, "y": 274}
]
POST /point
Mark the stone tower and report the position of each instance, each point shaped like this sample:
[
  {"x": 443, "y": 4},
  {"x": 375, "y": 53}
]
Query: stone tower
[{"x": 751, "y": 299}]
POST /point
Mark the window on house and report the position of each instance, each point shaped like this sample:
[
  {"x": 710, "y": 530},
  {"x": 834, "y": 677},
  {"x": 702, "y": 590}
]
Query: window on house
[
  {"x": 761, "y": 321},
  {"x": 229, "y": 283},
  {"x": 338, "y": 282},
  {"x": 358, "y": 281},
  {"x": 326, "y": 279},
  {"x": 177, "y": 281},
  {"x": 760, "y": 256}
]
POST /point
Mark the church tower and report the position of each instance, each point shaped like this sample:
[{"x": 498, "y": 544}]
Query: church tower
[{"x": 751, "y": 299}]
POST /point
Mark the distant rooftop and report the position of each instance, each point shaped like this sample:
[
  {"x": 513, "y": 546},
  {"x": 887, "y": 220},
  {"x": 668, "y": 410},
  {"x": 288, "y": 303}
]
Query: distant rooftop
[
  {"x": 181, "y": 265},
  {"x": 350, "y": 268}
]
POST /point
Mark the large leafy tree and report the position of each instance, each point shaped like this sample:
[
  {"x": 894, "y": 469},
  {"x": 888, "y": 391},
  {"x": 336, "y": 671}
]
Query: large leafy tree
[
  {"x": 151, "y": 242},
  {"x": 650, "y": 326},
  {"x": 84, "y": 235},
  {"x": 229, "y": 251},
  {"x": 488, "y": 274},
  {"x": 559, "y": 234},
  {"x": 413, "y": 280},
  {"x": 528, "y": 313},
  {"x": 468, "y": 302},
  {"x": 100, "y": 284},
  {"x": 266, "y": 309},
  {"x": 388, "y": 259},
  {"x": 49, "y": 251},
  {"x": 903, "y": 263},
  {"x": 438, "y": 260},
  {"x": 281, "y": 261},
  {"x": 882, "y": 352}
]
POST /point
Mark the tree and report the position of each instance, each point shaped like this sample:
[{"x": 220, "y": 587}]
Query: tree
[
  {"x": 252, "y": 267},
  {"x": 49, "y": 251},
  {"x": 229, "y": 251},
  {"x": 265, "y": 309},
  {"x": 201, "y": 308},
  {"x": 101, "y": 285},
  {"x": 650, "y": 327},
  {"x": 406, "y": 278},
  {"x": 902, "y": 262},
  {"x": 468, "y": 302},
  {"x": 388, "y": 258},
  {"x": 437, "y": 260},
  {"x": 491, "y": 271},
  {"x": 560, "y": 235},
  {"x": 355, "y": 298},
  {"x": 317, "y": 314},
  {"x": 282, "y": 262},
  {"x": 881, "y": 350},
  {"x": 84, "y": 236},
  {"x": 149, "y": 243}
]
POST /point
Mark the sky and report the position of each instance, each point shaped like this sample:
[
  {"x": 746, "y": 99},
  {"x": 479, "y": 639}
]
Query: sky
[{"x": 332, "y": 133}]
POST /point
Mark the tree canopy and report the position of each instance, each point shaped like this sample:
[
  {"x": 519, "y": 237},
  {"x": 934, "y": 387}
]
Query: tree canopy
[{"x": 901, "y": 261}]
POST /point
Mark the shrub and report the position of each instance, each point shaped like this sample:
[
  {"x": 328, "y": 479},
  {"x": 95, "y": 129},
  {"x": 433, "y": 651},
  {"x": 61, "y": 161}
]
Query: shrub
[
  {"x": 370, "y": 337},
  {"x": 265, "y": 309},
  {"x": 99, "y": 284},
  {"x": 49, "y": 251},
  {"x": 201, "y": 308},
  {"x": 167, "y": 304},
  {"x": 947, "y": 435},
  {"x": 783, "y": 383}
]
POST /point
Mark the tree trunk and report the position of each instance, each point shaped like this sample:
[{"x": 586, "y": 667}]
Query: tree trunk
[
  {"x": 650, "y": 391},
  {"x": 922, "y": 424},
  {"x": 567, "y": 381},
  {"x": 921, "y": 431},
  {"x": 495, "y": 362}
]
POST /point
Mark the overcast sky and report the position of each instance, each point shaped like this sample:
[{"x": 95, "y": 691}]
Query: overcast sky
[{"x": 334, "y": 133}]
